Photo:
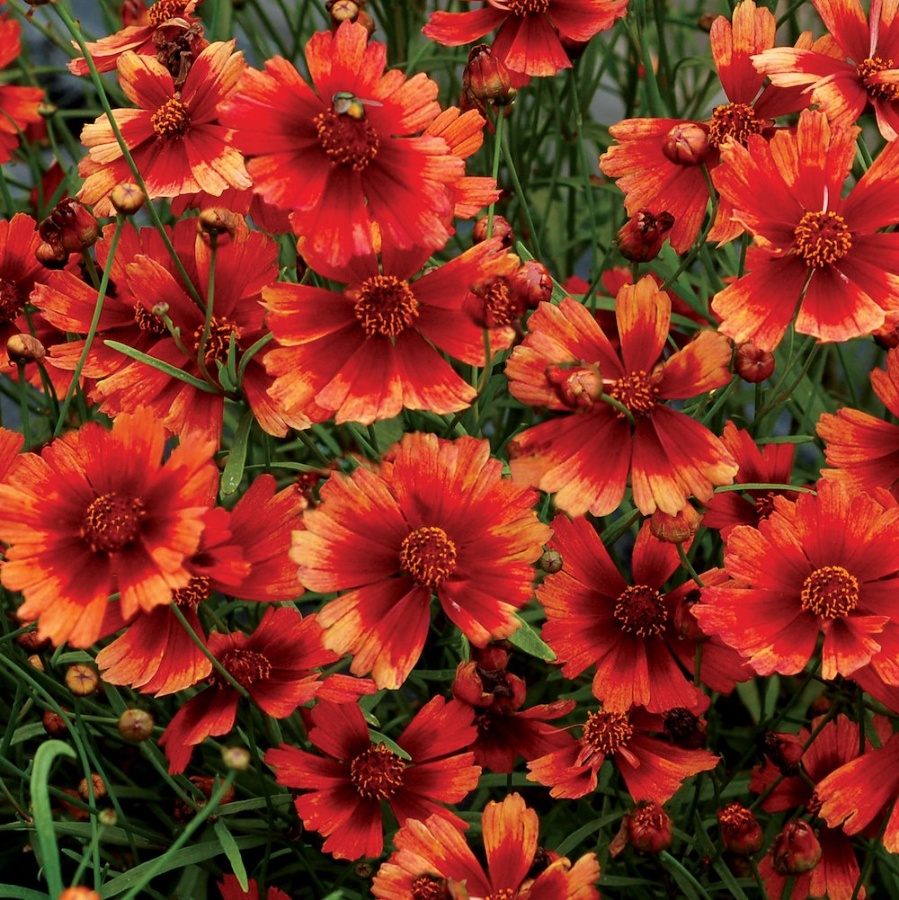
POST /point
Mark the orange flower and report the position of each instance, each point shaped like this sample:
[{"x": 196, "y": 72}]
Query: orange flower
[{"x": 18, "y": 105}]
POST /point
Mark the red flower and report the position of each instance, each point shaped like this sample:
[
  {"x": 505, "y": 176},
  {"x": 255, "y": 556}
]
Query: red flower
[
  {"x": 174, "y": 137},
  {"x": 19, "y": 273},
  {"x": 432, "y": 859},
  {"x": 344, "y": 163},
  {"x": 567, "y": 365},
  {"x": 18, "y": 105},
  {"x": 96, "y": 514},
  {"x": 530, "y": 31},
  {"x": 826, "y": 563},
  {"x": 345, "y": 789},
  {"x": 277, "y": 664},
  {"x": 377, "y": 348},
  {"x": 811, "y": 244},
  {"x": 447, "y": 524},
  {"x": 231, "y": 890}
]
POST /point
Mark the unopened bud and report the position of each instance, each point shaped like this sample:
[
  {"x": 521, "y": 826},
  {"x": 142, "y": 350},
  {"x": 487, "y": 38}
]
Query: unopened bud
[
  {"x": 784, "y": 750},
  {"x": 640, "y": 238},
  {"x": 161, "y": 309},
  {"x": 97, "y": 783},
  {"x": 36, "y": 662},
  {"x": 51, "y": 256},
  {"x": 25, "y": 348},
  {"x": 53, "y": 723},
  {"x": 675, "y": 529},
  {"x": 127, "y": 198},
  {"x": 486, "y": 78},
  {"x": 78, "y": 893},
  {"x": 752, "y": 363},
  {"x": 649, "y": 828},
  {"x": 685, "y": 623},
  {"x": 579, "y": 387},
  {"x": 705, "y": 21},
  {"x": 687, "y": 144},
  {"x": 501, "y": 229},
  {"x": 796, "y": 849},
  {"x": 550, "y": 562},
  {"x": 531, "y": 283},
  {"x": 363, "y": 870},
  {"x": 82, "y": 680},
  {"x": 741, "y": 833},
  {"x": 216, "y": 221},
  {"x": 107, "y": 817},
  {"x": 136, "y": 725},
  {"x": 29, "y": 640},
  {"x": 70, "y": 226},
  {"x": 236, "y": 758}
]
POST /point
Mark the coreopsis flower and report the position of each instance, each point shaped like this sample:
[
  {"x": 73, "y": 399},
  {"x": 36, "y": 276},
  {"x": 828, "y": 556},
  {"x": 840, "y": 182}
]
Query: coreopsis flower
[
  {"x": 19, "y": 273},
  {"x": 278, "y": 665},
  {"x": 814, "y": 248},
  {"x": 530, "y": 32},
  {"x": 433, "y": 860},
  {"x": 349, "y": 151},
  {"x": 770, "y": 464},
  {"x": 448, "y": 524},
  {"x": 342, "y": 791},
  {"x": 864, "y": 449},
  {"x": 98, "y": 513},
  {"x": 568, "y": 365},
  {"x": 19, "y": 105},
  {"x": 230, "y": 889},
  {"x": 174, "y": 136},
  {"x": 375, "y": 349},
  {"x": 741, "y": 833},
  {"x": 652, "y": 768},
  {"x": 628, "y": 631},
  {"x": 824, "y": 564}
]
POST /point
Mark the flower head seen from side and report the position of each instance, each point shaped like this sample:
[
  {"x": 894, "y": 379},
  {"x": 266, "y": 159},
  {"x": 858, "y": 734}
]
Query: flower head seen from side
[
  {"x": 19, "y": 105},
  {"x": 433, "y": 860},
  {"x": 348, "y": 151},
  {"x": 567, "y": 365},
  {"x": 343, "y": 790},
  {"x": 98, "y": 513},
  {"x": 814, "y": 249},
  {"x": 529, "y": 33},
  {"x": 20, "y": 272},
  {"x": 826, "y": 564},
  {"x": 448, "y": 524},
  {"x": 174, "y": 136}
]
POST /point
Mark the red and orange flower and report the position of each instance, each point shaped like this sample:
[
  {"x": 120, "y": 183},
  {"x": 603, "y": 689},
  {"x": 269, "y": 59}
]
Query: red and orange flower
[{"x": 19, "y": 106}]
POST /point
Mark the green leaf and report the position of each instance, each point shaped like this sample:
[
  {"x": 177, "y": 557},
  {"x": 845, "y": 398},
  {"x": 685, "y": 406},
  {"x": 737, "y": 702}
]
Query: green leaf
[
  {"x": 379, "y": 738},
  {"x": 45, "y": 834},
  {"x": 12, "y": 892},
  {"x": 161, "y": 366},
  {"x": 237, "y": 458},
  {"x": 527, "y": 639},
  {"x": 232, "y": 851}
]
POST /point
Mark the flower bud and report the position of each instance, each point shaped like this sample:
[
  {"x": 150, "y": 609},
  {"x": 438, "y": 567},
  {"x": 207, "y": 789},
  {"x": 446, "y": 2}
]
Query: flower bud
[
  {"x": 741, "y": 833},
  {"x": 687, "y": 144},
  {"x": 685, "y": 623},
  {"x": 217, "y": 221},
  {"x": 183, "y": 812},
  {"x": 82, "y": 680},
  {"x": 79, "y": 893},
  {"x": 640, "y": 238},
  {"x": 236, "y": 758},
  {"x": 796, "y": 849},
  {"x": 51, "y": 256},
  {"x": 107, "y": 817},
  {"x": 752, "y": 363},
  {"x": 486, "y": 78},
  {"x": 578, "y": 387},
  {"x": 685, "y": 728},
  {"x": 127, "y": 198},
  {"x": 784, "y": 750},
  {"x": 53, "y": 723},
  {"x": 531, "y": 283},
  {"x": 649, "y": 828},
  {"x": 36, "y": 662},
  {"x": 136, "y": 725},
  {"x": 705, "y": 21},
  {"x": 675, "y": 529},
  {"x": 29, "y": 640},
  {"x": 25, "y": 348},
  {"x": 550, "y": 562},
  {"x": 70, "y": 226},
  {"x": 97, "y": 783},
  {"x": 493, "y": 656},
  {"x": 501, "y": 229},
  {"x": 349, "y": 11}
]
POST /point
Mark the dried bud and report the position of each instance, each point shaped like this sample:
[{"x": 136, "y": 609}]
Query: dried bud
[
  {"x": 741, "y": 833},
  {"x": 501, "y": 229},
  {"x": 236, "y": 758},
  {"x": 127, "y": 198},
  {"x": 82, "y": 680},
  {"x": 550, "y": 562},
  {"x": 784, "y": 750},
  {"x": 887, "y": 336},
  {"x": 649, "y": 828},
  {"x": 51, "y": 256},
  {"x": 29, "y": 640},
  {"x": 685, "y": 728},
  {"x": 70, "y": 226},
  {"x": 185, "y": 811},
  {"x": 486, "y": 78},
  {"x": 640, "y": 238},
  {"x": 578, "y": 387},
  {"x": 136, "y": 725},
  {"x": 675, "y": 529},
  {"x": 468, "y": 686},
  {"x": 752, "y": 363},
  {"x": 217, "y": 221},
  {"x": 687, "y": 144},
  {"x": 796, "y": 849},
  {"x": 364, "y": 870},
  {"x": 98, "y": 784},
  {"x": 531, "y": 283},
  {"x": 53, "y": 723},
  {"x": 25, "y": 348},
  {"x": 79, "y": 893}
]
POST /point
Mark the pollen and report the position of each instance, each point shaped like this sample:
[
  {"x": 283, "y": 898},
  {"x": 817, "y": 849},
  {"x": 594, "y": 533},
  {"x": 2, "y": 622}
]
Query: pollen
[
  {"x": 428, "y": 555},
  {"x": 822, "y": 238},
  {"x": 163, "y": 10},
  {"x": 527, "y": 7},
  {"x": 501, "y": 306},
  {"x": 607, "y": 732},
  {"x": 218, "y": 340},
  {"x": 385, "y": 306},
  {"x": 830, "y": 592},
  {"x": 198, "y": 589},
  {"x": 733, "y": 120},
  {"x": 429, "y": 887},
  {"x": 246, "y": 667},
  {"x": 641, "y": 611},
  {"x": 112, "y": 522},
  {"x": 636, "y": 393},
  {"x": 377, "y": 773},
  {"x": 11, "y": 300},
  {"x": 172, "y": 119},
  {"x": 146, "y": 321},
  {"x": 871, "y": 66},
  {"x": 347, "y": 141},
  {"x": 764, "y": 505}
]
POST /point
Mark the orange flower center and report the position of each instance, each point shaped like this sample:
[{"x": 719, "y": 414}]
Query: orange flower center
[
  {"x": 606, "y": 732},
  {"x": 346, "y": 140},
  {"x": 428, "y": 555},
  {"x": 11, "y": 300},
  {"x": 245, "y": 666},
  {"x": 871, "y": 66},
  {"x": 146, "y": 321},
  {"x": 112, "y": 522},
  {"x": 163, "y": 10},
  {"x": 503, "y": 894},
  {"x": 198, "y": 589},
  {"x": 377, "y": 773},
  {"x": 830, "y": 592},
  {"x": 822, "y": 238},
  {"x": 501, "y": 307},
  {"x": 733, "y": 120},
  {"x": 172, "y": 119},
  {"x": 385, "y": 305},
  {"x": 429, "y": 887},
  {"x": 527, "y": 7},
  {"x": 764, "y": 505},
  {"x": 218, "y": 340},
  {"x": 641, "y": 611},
  {"x": 636, "y": 393},
  {"x": 736, "y": 817}
]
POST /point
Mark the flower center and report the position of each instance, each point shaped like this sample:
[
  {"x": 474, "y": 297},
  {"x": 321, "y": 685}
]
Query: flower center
[
  {"x": 112, "y": 522},
  {"x": 245, "y": 666},
  {"x": 822, "y": 238},
  {"x": 429, "y": 887},
  {"x": 764, "y": 505},
  {"x": 385, "y": 305},
  {"x": 347, "y": 141},
  {"x": 607, "y": 732},
  {"x": 11, "y": 300},
  {"x": 163, "y": 10},
  {"x": 636, "y": 393},
  {"x": 527, "y": 7},
  {"x": 830, "y": 592},
  {"x": 871, "y": 66},
  {"x": 377, "y": 773},
  {"x": 146, "y": 321},
  {"x": 428, "y": 555},
  {"x": 501, "y": 306},
  {"x": 734, "y": 120},
  {"x": 218, "y": 340},
  {"x": 503, "y": 894},
  {"x": 172, "y": 119},
  {"x": 198, "y": 589},
  {"x": 640, "y": 610}
]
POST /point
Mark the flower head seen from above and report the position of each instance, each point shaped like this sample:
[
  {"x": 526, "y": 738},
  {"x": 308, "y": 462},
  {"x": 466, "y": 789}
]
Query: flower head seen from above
[
  {"x": 98, "y": 513},
  {"x": 447, "y": 523},
  {"x": 344, "y": 789},
  {"x": 568, "y": 365}
]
